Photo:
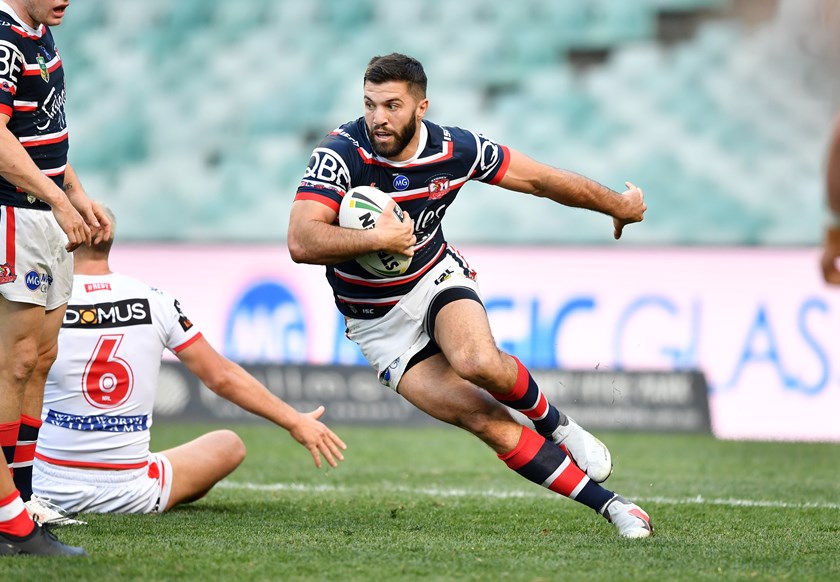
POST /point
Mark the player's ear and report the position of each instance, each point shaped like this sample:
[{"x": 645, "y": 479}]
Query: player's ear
[{"x": 422, "y": 107}]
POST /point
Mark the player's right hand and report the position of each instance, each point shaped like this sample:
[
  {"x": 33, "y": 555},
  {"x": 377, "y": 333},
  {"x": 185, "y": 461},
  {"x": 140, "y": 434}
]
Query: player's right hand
[
  {"x": 395, "y": 236},
  {"x": 318, "y": 438},
  {"x": 633, "y": 210},
  {"x": 73, "y": 225}
]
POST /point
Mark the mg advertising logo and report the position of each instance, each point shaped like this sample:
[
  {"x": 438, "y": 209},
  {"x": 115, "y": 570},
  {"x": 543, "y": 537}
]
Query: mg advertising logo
[
  {"x": 35, "y": 281},
  {"x": 266, "y": 325}
]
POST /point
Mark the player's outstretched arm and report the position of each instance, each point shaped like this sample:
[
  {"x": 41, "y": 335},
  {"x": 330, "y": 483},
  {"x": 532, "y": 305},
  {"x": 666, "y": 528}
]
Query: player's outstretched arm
[
  {"x": 314, "y": 237},
  {"x": 233, "y": 383},
  {"x": 570, "y": 189}
]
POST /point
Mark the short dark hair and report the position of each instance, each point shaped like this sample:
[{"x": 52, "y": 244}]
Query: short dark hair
[{"x": 397, "y": 67}]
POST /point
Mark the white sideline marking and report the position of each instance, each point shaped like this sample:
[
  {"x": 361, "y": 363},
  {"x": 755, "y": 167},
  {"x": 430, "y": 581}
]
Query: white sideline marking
[{"x": 450, "y": 492}]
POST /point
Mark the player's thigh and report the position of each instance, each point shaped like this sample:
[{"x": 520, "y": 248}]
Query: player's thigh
[
  {"x": 436, "y": 389},
  {"x": 463, "y": 333},
  {"x": 20, "y": 325},
  {"x": 201, "y": 463},
  {"x": 48, "y": 340},
  {"x": 19, "y": 335}
]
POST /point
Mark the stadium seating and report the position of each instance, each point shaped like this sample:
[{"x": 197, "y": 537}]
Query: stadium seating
[{"x": 194, "y": 119}]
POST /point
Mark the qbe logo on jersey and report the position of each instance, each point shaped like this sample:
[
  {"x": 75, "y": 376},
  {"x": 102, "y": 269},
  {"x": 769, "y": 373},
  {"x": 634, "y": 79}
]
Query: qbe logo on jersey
[
  {"x": 266, "y": 325},
  {"x": 11, "y": 60},
  {"x": 327, "y": 167}
]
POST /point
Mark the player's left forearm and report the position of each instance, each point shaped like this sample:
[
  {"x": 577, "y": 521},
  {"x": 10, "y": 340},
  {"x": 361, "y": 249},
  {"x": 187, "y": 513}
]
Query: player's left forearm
[
  {"x": 574, "y": 190},
  {"x": 241, "y": 388},
  {"x": 72, "y": 185}
]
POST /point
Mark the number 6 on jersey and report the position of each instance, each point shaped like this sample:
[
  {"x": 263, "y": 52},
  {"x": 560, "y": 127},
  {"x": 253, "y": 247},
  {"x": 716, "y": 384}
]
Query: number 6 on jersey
[{"x": 108, "y": 380}]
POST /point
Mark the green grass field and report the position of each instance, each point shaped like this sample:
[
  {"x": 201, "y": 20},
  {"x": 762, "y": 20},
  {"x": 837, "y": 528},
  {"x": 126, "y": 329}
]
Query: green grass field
[{"x": 435, "y": 504}]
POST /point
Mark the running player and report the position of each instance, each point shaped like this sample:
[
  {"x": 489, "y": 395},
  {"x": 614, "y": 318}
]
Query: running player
[
  {"x": 44, "y": 213},
  {"x": 93, "y": 452},
  {"x": 426, "y": 332}
]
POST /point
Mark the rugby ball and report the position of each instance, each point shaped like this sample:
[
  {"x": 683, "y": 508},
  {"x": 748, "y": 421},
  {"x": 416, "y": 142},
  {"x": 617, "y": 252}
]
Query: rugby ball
[{"x": 360, "y": 208}]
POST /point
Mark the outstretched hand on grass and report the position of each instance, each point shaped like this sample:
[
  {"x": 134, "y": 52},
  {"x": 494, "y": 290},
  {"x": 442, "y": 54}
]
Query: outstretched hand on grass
[{"x": 318, "y": 438}]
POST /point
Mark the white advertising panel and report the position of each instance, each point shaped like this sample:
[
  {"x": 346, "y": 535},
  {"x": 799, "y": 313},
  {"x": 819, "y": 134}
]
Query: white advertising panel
[{"x": 759, "y": 323}]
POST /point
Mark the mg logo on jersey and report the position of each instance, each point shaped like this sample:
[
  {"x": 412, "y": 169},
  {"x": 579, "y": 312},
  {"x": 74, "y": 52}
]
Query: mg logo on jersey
[
  {"x": 266, "y": 324},
  {"x": 35, "y": 281},
  {"x": 400, "y": 182}
]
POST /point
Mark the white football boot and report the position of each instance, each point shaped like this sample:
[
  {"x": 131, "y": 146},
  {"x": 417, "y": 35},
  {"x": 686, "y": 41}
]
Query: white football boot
[
  {"x": 629, "y": 519},
  {"x": 49, "y": 514},
  {"x": 588, "y": 453}
]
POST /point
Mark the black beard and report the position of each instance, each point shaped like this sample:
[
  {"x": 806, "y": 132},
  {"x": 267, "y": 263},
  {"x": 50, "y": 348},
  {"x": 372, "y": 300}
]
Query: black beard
[{"x": 401, "y": 141}]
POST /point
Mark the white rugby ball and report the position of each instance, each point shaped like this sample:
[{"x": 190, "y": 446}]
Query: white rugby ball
[{"x": 360, "y": 208}]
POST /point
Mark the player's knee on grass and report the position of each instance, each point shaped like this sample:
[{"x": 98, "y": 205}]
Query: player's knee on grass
[
  {"x": 203, "y": 462},
  {"x": 231, "y": 445}
]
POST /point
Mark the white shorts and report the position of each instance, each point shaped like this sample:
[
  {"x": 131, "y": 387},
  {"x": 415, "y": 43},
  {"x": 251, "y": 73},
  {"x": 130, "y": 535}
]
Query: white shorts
[
  {"x": 144, "y": 490},
  {"x": 34, "y": 265},
  {"x": 389, "y": 342}
]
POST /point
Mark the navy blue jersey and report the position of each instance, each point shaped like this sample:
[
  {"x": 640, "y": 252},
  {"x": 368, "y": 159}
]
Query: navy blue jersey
[
  {"x": 423, "y": 186},
  {"x": 32, "y": 95}
]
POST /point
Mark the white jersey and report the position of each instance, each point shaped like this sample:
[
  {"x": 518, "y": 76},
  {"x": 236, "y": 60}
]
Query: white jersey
[{"x": 100, "y": 392}]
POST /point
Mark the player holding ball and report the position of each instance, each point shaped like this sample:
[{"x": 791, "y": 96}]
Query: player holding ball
[{"x": 426, "y": 331}]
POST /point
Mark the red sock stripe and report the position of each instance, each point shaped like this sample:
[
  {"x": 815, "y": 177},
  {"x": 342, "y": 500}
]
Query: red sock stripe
[
  {"x": 526, "y": 449},
  {"x": 24, "y": 455},
  {"x": 539, "y": 410},
  {"x": 522, "y": 380},
  {"x": 20, "y": 524},
  {"x": 568, "y": 480},
  {"x": 8, "y": 442},
  {"x": 27, "y": 439},
  {"x": 29, "y": 421},
  {"x": 9, "y": 433}
]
